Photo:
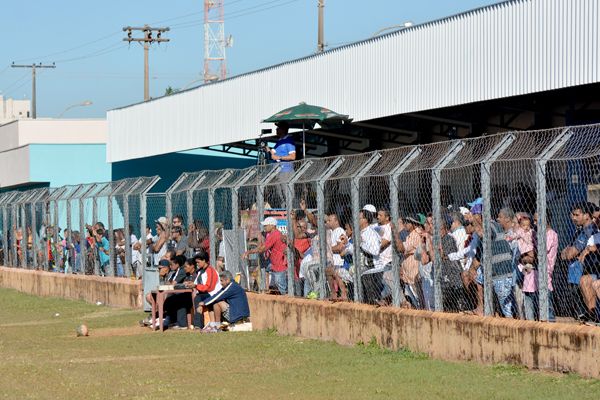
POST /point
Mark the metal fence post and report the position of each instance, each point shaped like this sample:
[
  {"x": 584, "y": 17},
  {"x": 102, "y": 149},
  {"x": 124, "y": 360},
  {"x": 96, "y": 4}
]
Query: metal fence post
[
  {"x": 14, "y": 235},
  {"x": 34, "y": 237},
  {"x": 395, "y": 215},
  {"x": 211, "y": 215},
  {"x": 260, "y": 209},
  {"x": 355, "y": 199},
  {"x": 542, "y": 253},
  {"x": 235, "y": 224},
  {"x": 436, "y": 176},
  {"x": 289, "y": 198},
  {"x": 486, "y": 195},
  {"x": 127, "y": 268},
  {"x": 82, "y": 227},
  {"x": 5, "y": 228},
  {"x": 111, "y": 238},
  {"x": 25, "y": 239}
]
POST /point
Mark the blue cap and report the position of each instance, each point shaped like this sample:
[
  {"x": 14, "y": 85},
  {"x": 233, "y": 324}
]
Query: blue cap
[{"x": 475, "y": 202}]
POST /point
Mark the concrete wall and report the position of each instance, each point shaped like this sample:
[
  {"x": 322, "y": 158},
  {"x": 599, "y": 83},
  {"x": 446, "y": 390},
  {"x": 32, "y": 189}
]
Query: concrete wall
[
  {"x": 116, "y": 292},
  {"x": 552, "y": 347}
]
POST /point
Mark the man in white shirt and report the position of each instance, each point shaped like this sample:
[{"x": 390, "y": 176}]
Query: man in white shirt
[
  {"x": 336, "y": 273},
  {"x": 385, "y": 255},
  {"x": 370, "y": 263}
]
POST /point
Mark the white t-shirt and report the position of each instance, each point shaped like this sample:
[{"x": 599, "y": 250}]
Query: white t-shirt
[
  {"x": 160, "y": 253},
  {"x": 385, "y": 257},
  {"x": 336, "y": 234},
  {"x": 136, "y": 256}
]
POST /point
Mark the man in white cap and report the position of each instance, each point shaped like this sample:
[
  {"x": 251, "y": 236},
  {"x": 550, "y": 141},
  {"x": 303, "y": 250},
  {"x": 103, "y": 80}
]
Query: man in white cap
[{"x": 275, "y": 250}]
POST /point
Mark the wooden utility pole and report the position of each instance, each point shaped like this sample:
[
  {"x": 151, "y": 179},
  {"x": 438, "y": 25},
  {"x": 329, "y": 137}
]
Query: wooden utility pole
[
  {"x": 33, "y": 67},
  {"x": 320, "y": 38},
  {"x": 147, "y": 40}
]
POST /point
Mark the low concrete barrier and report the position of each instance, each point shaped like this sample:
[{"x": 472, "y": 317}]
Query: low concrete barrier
[
  {"x": 552, "y": 347},
  {"x": 116, "y": 292}
]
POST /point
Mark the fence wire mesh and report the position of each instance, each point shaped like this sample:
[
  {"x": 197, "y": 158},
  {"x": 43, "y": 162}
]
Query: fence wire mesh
[{"x": 502, "y": 225}]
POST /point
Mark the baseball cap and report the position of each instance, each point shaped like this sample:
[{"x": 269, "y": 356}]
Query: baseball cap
[
  {"x": 162, "y": 220},
  {"x": 269, "y": 221},
  {"x": 464, "y": 210},
  {"x": 164, "y": 263},
  {"x": 476, "y": 209},
  {"x": 370, "y": 208},
  {"x": 414, "y": 219}
]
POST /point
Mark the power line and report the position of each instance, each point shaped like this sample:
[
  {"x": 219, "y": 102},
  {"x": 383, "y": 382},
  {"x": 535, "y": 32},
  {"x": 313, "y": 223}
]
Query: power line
[
  {"x": 189, "y": 15},
  {"x": 69, "y": 50},
  {"x": 16, "y": 82},
  {"x": 236, "y": 14},
  {"x": 106, "y": 50}
]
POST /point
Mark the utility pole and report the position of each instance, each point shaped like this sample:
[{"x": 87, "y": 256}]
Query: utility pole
[
  {"x": 33, "y": 67},
  {"x": 320, "y": 39},
  {"x": 147, "y": 40}
]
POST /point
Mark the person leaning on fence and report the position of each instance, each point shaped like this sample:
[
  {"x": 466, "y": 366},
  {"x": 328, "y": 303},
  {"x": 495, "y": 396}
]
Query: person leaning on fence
[
  {"x": 385, "y": 252},
  {"x": 103, "y": 247},
  {"x": 581, "y": 215},
  {"x": 502, "y": 263},
  {"x": 230, "y": 304},
  {"x": 409, "y": 269},
  {"x": 159, "y": 241},
  {"x": 335, "y": 271},
  {"x": 198, "y": 237},
  {"x": 530, "y": 281},
  {"x": 206, "y": 283},
  {"x": 590, "y": 259},
  {"x": 369, "y": 266},
  {"x": 451, "y": 270},
  {"x": 180, "y": 246},
  {"x": 275, "y": 249}
]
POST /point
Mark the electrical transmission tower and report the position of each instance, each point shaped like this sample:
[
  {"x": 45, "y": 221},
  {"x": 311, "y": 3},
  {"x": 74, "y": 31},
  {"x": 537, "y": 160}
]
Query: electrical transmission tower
[
  {"x": 147, "y": 40},
  {"x": 215, "y": 65},
  {"x": 33, "y": 67}
]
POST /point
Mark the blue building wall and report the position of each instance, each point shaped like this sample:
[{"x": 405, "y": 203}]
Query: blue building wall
[{"x": 68, "y": 164}]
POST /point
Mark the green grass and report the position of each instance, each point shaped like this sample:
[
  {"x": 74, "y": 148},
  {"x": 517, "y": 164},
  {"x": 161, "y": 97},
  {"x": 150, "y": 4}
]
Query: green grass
[{"x": 42, "y": 358}]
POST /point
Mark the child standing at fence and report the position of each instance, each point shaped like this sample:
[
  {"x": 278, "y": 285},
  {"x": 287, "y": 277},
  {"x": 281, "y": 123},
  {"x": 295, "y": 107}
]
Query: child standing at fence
[{"x": 525, "y": 237}]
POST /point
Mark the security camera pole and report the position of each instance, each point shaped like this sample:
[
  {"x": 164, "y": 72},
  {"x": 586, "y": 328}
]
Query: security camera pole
[{"x": 147, "y": 40}]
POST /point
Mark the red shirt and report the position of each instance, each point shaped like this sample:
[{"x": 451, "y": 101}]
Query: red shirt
[
  {"x": 301, "y": 245},
  {"x": 275, "y": 249}
]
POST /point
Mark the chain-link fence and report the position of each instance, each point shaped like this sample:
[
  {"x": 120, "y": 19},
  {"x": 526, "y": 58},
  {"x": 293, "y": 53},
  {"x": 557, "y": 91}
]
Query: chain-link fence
[
  {"x": 85, "y": 229},
  {"x": 497, "y": 225}
]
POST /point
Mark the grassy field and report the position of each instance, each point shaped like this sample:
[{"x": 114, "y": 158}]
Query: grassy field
[{"x": 41, "y": 357}]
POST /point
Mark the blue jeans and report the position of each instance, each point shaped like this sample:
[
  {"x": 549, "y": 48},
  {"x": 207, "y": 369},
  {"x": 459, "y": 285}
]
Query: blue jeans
[
  {"x": 280, "y": 279},
  {"x": 531, "y": 306},
  {"x": 426, "y": 273},
  {"x": 503, "y": 286}
]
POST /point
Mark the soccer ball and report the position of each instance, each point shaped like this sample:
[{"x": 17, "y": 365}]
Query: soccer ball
[{"x": 82, "y": 330}]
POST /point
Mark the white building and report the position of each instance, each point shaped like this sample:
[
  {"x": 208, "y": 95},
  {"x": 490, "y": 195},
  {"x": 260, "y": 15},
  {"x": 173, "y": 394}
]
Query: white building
[
  {"x": 11, "y": 109},
  {"x": 52, "y": 153}
]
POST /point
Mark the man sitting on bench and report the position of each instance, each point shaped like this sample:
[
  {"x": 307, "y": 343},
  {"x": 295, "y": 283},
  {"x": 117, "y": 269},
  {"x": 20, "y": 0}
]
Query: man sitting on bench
[{"x": 230, "y": 304}]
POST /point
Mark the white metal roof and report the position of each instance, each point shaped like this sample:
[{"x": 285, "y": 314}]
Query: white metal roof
[{"x": 511, "y": 48}]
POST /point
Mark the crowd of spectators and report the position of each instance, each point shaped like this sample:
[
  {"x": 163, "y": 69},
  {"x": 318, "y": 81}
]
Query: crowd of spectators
[{"x": 513, "y": 259}]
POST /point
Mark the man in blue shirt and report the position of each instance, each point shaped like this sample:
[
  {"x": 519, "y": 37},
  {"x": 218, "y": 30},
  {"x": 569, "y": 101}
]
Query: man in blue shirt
[
  {"x": 581, "y": 215},
  {"x": 283, "y": 154},
  {"x": 229, "y": 304}
]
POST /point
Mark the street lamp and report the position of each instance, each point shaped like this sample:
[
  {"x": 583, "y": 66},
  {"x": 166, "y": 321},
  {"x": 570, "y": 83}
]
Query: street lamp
[
  {"x": 82, "y": 104},
  {"x": 405, "y": 25}
]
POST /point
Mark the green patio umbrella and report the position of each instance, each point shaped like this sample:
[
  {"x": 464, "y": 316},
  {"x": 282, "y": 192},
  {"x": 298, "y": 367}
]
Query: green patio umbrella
[{"x": 306, "y": 116}]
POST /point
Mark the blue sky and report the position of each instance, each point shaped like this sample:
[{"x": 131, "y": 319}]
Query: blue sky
[{"x": 84, "y": 38}]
